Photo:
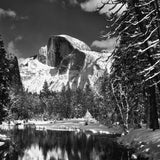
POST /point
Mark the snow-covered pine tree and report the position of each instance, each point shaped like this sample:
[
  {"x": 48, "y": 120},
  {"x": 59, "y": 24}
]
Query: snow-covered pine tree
[
  {"x": 4, "y": 82},
  {"x": 139, "y": 29}
]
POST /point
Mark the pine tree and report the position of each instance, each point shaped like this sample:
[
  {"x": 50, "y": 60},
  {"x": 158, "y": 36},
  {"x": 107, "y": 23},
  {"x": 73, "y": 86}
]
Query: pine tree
[
  {"x": 4, "y": 82},
  {"x": 20, "y": 105},
  {"x": 65, "y": 102},
  {"x": 45, "y": 89},
  {"x": 78, "y": 106},
  {"x": 89, "y": 101},
  {"x": 137, "y": 58}
]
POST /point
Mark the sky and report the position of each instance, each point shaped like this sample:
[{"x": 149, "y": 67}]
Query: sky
[{"x": 26, "y": 25}]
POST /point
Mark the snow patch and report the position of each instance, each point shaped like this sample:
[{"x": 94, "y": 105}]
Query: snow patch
[
  {"x": 1, "y": 144},
  {"x": 76, "y": 43}
]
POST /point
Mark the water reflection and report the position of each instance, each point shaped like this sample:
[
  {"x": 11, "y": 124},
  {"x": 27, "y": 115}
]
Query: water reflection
[{"x": 30, "y": 144}]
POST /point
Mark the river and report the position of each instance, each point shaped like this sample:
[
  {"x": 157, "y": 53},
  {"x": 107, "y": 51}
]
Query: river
[{"x": 31, "y": 144}]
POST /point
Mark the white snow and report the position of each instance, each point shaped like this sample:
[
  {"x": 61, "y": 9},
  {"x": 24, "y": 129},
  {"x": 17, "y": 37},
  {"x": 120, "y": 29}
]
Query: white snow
[
  {"x": 134, "y": 156},
  {"x": 147, "y": 149},
  {"x": 43, "y": 51},
  {"x": 2, "y": 136},
  {"x": 1, "y": 143},
  {"x": 76, "y": 42}
]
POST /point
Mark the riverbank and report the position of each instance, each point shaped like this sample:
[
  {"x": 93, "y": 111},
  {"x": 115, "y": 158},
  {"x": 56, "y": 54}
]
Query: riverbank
[
  {"x": 65, "y": 125},
  {"x": 145, "y": 142},
  {"x": 80, "y": 125}
]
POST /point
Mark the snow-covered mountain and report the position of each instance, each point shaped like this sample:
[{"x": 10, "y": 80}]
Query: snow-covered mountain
[{"x": 64, "y": 61}]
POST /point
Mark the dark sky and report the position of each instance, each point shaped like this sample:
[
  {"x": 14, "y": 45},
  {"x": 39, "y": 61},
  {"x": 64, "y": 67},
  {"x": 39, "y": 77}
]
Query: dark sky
[{"x": 26, "y": 25}]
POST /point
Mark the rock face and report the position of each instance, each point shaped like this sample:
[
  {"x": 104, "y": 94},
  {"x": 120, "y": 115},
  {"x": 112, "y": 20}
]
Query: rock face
[
  {"x": 69, "y": 61},
  {"x": 59, "y": 47},
  {"x": 14, "y": 73}
]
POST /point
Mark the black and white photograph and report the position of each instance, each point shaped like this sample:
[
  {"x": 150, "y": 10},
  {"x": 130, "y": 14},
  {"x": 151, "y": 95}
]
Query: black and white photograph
[{"x": 79, "y": 79}]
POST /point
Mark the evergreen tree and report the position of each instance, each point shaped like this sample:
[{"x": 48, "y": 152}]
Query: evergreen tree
[
  {"x": 65, "y": 102},
  {"x": 45, "y": 90},
  {"x": 21, "y": 106},
  {"x": 90, "y": 101},
  {"x": 136, "y": 65},
  {"x": 78, "y": 103},
  {"x": 4, "y": 82}
]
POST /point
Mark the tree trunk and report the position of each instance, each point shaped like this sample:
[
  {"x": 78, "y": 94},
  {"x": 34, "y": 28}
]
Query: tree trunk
[
  {"x": 156, "y": 4},
  {"x": 153, "y": 116}
]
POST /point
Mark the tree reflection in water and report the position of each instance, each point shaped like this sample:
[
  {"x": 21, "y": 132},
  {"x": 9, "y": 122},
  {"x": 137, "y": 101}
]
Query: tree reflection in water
[{"x": 30, "y": 144}]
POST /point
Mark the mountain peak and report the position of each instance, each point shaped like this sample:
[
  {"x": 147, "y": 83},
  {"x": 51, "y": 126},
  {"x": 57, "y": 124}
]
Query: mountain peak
[{"x": 64, "y": 61}]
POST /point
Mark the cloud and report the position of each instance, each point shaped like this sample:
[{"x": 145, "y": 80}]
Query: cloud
[
  {"x": 90, "y": 5},
  {"x": 12, "y": 14},
  {"x": 11, "y": 48},
  {"x": 65, "y": 2},
  {"x": 108, "y": 44},
  {"x": 73, "y": 2},
  {"x": 93, "y": 5},
  {"x": 18, "y": 38},
  {"x": 23, "y": 18},
  {"x": 7, "y": 13}
]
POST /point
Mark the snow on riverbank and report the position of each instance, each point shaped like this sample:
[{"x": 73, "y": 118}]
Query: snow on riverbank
[
  {"x": 145, "y": 142},
  {"x": 77, "y": 125},
  {"x": 86, "y": 123}
]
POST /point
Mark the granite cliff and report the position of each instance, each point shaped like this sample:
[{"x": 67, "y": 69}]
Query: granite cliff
[{"x": 64, "y": 61}]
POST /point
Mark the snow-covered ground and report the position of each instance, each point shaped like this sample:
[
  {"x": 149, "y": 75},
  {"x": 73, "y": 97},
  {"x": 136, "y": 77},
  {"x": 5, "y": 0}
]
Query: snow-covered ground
[
  {"x": 145, "y": 142},
  {"x": 81, "y": 124},
  {"x": 86, "y": 123}
]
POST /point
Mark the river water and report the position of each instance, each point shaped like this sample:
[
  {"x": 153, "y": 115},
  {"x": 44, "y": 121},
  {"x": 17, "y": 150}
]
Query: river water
[{"x": 31, "y": 144}]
